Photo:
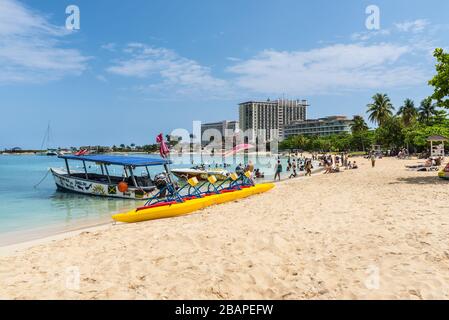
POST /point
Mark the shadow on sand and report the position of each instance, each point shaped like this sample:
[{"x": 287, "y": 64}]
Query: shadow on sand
[{"x": 435, "y": 180}]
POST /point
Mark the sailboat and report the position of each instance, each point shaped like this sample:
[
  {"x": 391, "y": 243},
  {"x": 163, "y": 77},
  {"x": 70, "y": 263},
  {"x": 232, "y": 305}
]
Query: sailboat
[{"x": 46, "y": 142}]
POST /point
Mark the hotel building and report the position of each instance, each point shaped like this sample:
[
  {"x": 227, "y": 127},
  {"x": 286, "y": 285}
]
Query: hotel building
[
  {"x": 225, "y": 128},
  {"x": 268, "y": 118},
  {"x": 318, "y": 127}
]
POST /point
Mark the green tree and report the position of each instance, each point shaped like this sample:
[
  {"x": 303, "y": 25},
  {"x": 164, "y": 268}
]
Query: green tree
[
  {"x": 390, "y": 133},
  {"x": 426, "y": 110},
  {"x": 381, "y": 109},
  {"x": 408, "y": 112},
  {"x": 358, "y": 124},
  {"x": 440, "y": 81}
]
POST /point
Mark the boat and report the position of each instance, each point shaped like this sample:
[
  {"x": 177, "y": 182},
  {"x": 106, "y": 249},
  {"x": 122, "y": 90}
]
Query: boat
[
  {"x": 444, "y": 174},
  {"x": 128, "y": 186},
  {"x": 52, "y": 152},
  {"x": 200, "y": 173},
  {"x": 219, "y": 173},
  {"x": 46, "y": 141},
  {"x": 174, "y": 208},
  {"x": 188, "y": 173}
]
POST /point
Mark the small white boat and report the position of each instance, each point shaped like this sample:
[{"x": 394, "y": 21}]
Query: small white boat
[
  {"x": 187, "y": 173},
  {"x": 200, "y": 173},
  {"x": 128, "y": 186}
]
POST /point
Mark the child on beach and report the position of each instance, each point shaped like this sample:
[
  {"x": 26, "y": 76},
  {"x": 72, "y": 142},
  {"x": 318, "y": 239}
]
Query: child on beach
[{"x": 278, "y": 170}]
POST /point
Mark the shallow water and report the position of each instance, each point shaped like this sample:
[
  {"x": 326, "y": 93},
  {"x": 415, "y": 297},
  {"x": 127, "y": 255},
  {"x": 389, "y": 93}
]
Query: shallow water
[{"x": 24, "y": 207}]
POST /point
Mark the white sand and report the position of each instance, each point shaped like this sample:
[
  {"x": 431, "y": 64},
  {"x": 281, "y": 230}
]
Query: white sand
[{"x": 368, "y": 233}]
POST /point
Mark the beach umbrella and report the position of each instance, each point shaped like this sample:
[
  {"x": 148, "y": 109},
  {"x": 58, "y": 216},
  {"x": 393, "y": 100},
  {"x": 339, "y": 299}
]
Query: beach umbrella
[{"x": 163, "y": 149}]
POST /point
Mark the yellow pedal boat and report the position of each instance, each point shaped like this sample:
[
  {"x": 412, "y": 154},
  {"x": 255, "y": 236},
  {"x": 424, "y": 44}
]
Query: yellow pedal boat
[{"x": 188, "y": 206}]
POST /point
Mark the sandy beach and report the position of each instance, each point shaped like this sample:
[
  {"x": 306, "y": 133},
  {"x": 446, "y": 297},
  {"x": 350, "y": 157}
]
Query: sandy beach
[{"x": 377, "y": 233}]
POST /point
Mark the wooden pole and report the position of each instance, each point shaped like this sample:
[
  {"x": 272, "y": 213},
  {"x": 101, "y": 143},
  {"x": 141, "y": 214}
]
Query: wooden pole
[
  {"x": 67, "y": 167},
  {"x": 107, "y": 173},
  {"x": 85, "y": 170}
]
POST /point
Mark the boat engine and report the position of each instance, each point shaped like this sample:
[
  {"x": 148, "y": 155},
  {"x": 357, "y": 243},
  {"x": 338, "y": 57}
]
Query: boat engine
[{"x": 161, "y": 181}]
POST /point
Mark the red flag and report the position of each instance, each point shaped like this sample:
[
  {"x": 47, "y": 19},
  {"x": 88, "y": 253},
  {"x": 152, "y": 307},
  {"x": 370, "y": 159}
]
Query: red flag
[{"x": 163, "y": 149}]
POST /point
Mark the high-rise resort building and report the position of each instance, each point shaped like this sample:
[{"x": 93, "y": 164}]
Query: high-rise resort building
[
  {"x": 318, "y": 127},
  {"x": 266, "y": 119},
  {"x": 225, "y": 128}
]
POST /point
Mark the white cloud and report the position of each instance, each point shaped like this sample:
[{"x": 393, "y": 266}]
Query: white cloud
[
  {"x": 109, "y": 46},
  {"x": 30, "y": 49},
  {"x": 331, "y": 69},
  {"x": 165, "y": 71},
  {"x": 101, "y": 78},
  {"x": 412, "y": 26},
  {"x": 367, "y": 35}
]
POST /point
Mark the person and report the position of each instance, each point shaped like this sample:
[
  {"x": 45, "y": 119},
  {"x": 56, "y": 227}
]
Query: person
[
  {"x": 308, "y": 167},
  {"x": 239, "y": 169},
  {"x": 293, "y": 175},
  {"x": 328, "y": 167},
  {"x": 250, "y": 166},
  {"x": 278, "y": 170},
  {"x": 354, "y": 165},
  {"x": 373, "y": 160}
]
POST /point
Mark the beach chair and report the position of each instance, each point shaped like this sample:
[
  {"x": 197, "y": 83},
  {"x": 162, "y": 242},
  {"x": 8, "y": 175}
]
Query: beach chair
[
  {"x": 210, "y": 186},
  {"x": 192, "y": 189},
  {"x": 167, "y": 194}
]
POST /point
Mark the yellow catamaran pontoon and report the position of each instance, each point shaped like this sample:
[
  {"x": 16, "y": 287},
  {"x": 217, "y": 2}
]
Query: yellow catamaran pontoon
[{"x": 173, "y": 201}]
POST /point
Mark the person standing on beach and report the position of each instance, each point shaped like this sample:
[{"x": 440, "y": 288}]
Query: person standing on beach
[
  {"x": 373, "y": 160},
  {"x": 308, "y": 166},
  {"x": 278, "y": 171}
]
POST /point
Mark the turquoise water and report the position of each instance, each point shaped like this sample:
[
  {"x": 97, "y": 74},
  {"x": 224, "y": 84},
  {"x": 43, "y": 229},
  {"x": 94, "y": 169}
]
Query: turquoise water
[{"x": 25, "y": 207}]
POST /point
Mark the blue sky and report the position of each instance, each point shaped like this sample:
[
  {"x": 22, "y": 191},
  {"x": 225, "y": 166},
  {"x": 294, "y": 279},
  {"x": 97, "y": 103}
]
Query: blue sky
[{"x": 138, "y": 68}]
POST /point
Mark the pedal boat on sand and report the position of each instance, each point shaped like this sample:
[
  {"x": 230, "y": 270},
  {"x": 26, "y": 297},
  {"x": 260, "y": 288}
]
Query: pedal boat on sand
[
  {"x": 444, "y": 174},
  {"x": 128, "y": 186},
  {"x": 194, "y": 196}
]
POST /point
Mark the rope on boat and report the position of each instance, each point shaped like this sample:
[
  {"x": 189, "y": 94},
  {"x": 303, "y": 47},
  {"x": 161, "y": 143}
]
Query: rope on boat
[{"x": 42, "y": 180}]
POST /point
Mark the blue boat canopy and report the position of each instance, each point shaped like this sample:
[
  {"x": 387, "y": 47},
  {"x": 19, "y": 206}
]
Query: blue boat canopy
[{"x": 119, "y": 160}]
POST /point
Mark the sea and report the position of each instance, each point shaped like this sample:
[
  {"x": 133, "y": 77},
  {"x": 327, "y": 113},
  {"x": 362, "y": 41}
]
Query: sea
[{"x": 32, "y": 207}]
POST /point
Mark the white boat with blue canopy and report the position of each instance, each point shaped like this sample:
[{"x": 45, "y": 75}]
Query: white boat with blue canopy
[{"x": 133, "y": 182}]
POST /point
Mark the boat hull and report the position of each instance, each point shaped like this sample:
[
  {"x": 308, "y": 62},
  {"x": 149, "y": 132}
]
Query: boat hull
[
  {"x": 69, "y": 183},
  {"x": 189, "y": 206},
  {"x": 443, "y": 175}
]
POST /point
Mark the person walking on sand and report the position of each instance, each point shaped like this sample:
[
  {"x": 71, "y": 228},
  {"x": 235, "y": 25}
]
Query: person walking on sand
[
  {"x": 373, "y": 160},
  {"x": 294, "y": 174},
  {"x": 278, "y": 171}
]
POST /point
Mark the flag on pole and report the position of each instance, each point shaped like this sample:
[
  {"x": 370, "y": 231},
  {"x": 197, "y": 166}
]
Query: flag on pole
[{"x": 163, "y": 149}]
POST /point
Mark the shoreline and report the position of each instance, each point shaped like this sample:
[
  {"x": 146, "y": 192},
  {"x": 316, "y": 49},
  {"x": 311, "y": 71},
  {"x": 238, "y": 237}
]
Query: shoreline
[{"x": 36, "y": 236}]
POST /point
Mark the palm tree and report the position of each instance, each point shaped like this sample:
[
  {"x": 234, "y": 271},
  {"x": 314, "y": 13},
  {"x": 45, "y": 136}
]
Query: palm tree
[
  {"x": 426, "y": 110},
  {"x": 358, "y": 124},
  {"x": 380, "y": 109},
  {"x": 408, "y": 112}
]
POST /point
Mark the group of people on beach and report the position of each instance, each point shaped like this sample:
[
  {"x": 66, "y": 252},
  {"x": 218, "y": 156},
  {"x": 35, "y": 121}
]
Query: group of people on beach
[
  {"x": 295, "y": 163},
  {"x": 255, "y": 173},
  {"x": 333, "y": 164}
]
